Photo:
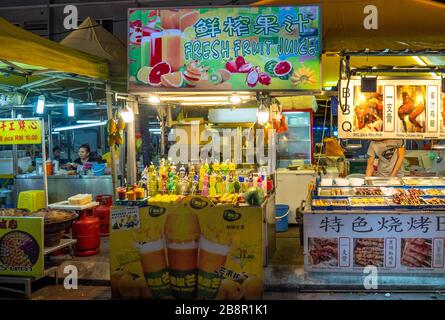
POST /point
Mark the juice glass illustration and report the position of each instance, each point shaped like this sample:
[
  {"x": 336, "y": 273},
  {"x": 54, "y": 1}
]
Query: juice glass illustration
[
  {"x": 212, "y": 256},
  {"x": 154, "y": 266},
  {"x": 182, "y": 232},
  {"x": 172, "y": 48},
  {"x": 155, "y": 46}
]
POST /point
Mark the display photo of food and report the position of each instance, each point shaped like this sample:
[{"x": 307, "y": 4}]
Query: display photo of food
[
  {"x": 411, "y": 102},
  {"x": 368, "y": 110},
  {"x": 323, "y": 251},
  {"x": 416, "y": 252},
  {"x": 18, "y": 249},
  {"x": 369, "y": 252}
]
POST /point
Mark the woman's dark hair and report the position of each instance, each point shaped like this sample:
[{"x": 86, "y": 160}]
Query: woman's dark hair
[
  {"x": 56, "y": 148},
  {"x": 86, "y": 146}
]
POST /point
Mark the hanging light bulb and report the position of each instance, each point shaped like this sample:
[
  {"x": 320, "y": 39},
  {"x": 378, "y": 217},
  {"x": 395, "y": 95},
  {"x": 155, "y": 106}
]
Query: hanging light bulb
[
  {"x": 235, "y": 99},
  {"x": 262, "y": 115},
  {"x": 127, "y": 115},
  {"x": 154, "y": 99},
  {"x": 71, "y": 111},
  {"x": 40, "y": 104}
]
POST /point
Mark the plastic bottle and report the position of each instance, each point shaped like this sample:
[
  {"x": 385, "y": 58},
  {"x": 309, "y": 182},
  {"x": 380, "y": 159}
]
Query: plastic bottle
[{"x": 205, "y": 186}]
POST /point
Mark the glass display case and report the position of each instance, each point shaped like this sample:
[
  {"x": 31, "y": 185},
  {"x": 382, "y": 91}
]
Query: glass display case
[{"x": 295, "y": 145}]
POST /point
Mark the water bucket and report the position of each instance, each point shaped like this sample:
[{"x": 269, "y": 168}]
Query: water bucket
[
  {"x": 281, "y": 217},
  {"x": 99, "y": 169}
]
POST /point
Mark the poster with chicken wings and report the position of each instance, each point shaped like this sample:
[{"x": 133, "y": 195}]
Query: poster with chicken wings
[{"x": 404, "y": 109}]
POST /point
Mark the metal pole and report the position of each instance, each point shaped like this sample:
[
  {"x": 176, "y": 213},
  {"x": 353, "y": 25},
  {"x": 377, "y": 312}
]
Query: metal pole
[
  {"x": 131, "y": 148},
  {"x": 109, "y": 94},
  {"x": 50, "y": 138},
  {"x": 45, "y": 177},
  {"x": 15, "y": 168}
]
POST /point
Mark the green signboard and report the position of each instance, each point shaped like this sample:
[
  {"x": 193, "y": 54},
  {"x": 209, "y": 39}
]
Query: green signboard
[{"x": 232, "y": 48}]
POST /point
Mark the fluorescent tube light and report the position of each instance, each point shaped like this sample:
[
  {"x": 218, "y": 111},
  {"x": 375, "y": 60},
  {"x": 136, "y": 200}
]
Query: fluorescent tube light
[{"x": 80, "y": 126}]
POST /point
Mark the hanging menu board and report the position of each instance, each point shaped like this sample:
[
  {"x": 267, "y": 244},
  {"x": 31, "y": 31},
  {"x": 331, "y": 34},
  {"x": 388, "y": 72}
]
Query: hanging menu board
[{"x": 403, "y": 109}]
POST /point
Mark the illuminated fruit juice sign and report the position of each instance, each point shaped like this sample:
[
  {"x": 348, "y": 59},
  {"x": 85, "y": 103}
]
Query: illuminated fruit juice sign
[{"x": 239, "y": 48}]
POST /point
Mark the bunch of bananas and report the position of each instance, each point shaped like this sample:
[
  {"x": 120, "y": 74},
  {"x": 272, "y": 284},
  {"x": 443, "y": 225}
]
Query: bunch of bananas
[
  {"x": 115, "y": 128},
  {"x": 226, "y": 198},
  {"x": 168, "y": 198}
]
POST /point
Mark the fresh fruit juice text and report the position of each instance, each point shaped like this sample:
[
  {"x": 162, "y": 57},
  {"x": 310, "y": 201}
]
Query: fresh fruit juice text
[{"x": 219, "y": 182}]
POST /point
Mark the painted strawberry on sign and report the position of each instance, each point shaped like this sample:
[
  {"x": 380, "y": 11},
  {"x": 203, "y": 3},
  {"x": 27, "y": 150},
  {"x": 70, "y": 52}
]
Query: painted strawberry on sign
[{"x": 135, "y": 32}]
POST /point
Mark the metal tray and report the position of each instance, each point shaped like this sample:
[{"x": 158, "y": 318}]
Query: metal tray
[{"x": 383, "y": 182}]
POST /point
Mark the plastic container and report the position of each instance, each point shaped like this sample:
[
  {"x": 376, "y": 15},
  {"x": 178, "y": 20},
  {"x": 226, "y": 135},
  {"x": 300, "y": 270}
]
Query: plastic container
[
  {"x": 99, "y": 169},
  {"x": 49, "y": 168},
  {"x": 281, "y": 217}
]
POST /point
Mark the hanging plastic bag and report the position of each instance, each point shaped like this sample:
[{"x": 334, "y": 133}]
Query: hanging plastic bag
[{"x": 333, "y": 147}]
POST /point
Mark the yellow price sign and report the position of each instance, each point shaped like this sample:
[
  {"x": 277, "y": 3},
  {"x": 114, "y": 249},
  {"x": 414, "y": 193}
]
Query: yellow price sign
[{"x": 20, "y": 131}]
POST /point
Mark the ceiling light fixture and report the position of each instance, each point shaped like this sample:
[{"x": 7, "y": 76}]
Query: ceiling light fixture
[{"x": 40, "y": 104}]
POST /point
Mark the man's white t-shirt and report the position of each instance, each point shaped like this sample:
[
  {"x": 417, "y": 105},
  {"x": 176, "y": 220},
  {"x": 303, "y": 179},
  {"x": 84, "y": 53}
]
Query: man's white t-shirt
[{"x": 386, "y": 152}]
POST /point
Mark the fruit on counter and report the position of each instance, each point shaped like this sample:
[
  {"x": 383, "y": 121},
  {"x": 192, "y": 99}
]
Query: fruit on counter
[
  {"x": 254, "y": 196},
  {"x": 435, "y": 201},
  {"x": 158, "y": 70},
  {"x": 172, "y": 80},
  {"x": 167, "y": 198}
]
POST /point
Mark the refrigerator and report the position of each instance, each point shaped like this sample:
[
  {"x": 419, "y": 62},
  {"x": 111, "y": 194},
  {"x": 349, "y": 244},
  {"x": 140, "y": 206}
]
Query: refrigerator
[{"x": 295, "y": 146}]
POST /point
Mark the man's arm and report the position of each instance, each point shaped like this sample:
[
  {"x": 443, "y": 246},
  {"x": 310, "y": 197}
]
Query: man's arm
[
  {"x": 400, "y": 158},
  {"x": 370, "y": 166}
]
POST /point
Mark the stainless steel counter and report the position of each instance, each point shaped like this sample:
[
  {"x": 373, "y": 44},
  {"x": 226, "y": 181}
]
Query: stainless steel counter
[{"x": 64, "y": 186}]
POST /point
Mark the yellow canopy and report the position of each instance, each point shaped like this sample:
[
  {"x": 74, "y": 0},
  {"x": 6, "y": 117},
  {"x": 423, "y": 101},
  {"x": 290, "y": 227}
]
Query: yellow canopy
[
  {"x": 402, "y": 24},
  {"x": 20, "y": 46},
  {"x": 92, "y": 38}
]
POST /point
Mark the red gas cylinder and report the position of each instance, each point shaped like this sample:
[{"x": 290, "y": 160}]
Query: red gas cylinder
[
  {"x": 87, "y": 233},
  {"x": 103, "y": 213}
]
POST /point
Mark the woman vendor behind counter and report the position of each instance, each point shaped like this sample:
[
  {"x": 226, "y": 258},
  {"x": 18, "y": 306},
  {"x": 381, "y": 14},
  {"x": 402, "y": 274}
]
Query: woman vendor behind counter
[{"x": 85, "y": 155}]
